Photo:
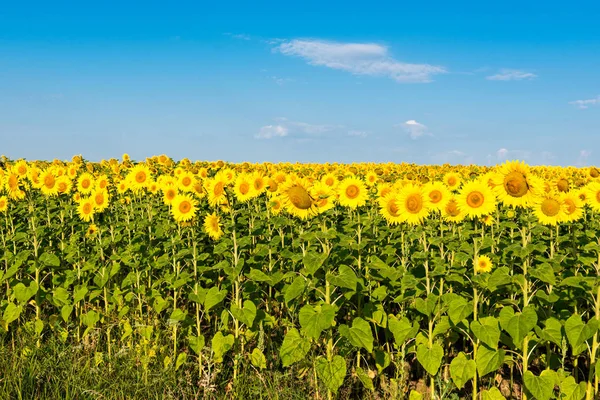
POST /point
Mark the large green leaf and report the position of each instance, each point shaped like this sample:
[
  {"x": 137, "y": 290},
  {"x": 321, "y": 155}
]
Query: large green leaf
[
  {"x": 492, "y": 394},
  {"x": 11, "y": 312},
  {"x": 50, "y": 260},
  {"x": 520, "y": 324},
  {"x": 346, "y": 278},
  {"x": 332, "y": 373},
  {"x": 315, "y": 320},
  {"x": 571, "y": 390},
  {"x": 220, "y": 345},
  {"x": 540, "y": 387},
  {"x": 402, "y": 329},
  {"x": 488, "y": 360},
  {"x": 313, "y": 261},
  {"x": 487, "y": 330},
  {"x": 257, "y": 358},
  {"x": 196, "y": 343},
  {"x": 247, "y": 314},
  {"x": 365, "y": 379},
  {"x": 459, "y": 309},
  {"x": 295, "y": 289},
  {"x": 294, "y": 348},
  {"x": 430, "y": 357},
  {"x": 360, "y": 334},
  {"x": 23, "y": 293},
  {"x": 462, "y": 370},
  {"x": 578, "y": 332},
  {"x": 213, "y": 297}
]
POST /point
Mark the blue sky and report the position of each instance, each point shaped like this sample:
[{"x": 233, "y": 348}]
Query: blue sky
[{"x": 457, "y": 82}]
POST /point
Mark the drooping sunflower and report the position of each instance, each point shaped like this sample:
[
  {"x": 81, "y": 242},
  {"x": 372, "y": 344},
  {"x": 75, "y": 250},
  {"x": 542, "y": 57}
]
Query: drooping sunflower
[
  {"x": 438, "y": 194},
  {"x": 483, "y": 264},
  {"x": 101, "y": 199},
  {"x": 476, "y": 199},
  {"x": 388, "y": 208},
  {"x": 323, "y": 195},
  {"x": 85, "y": 183},
  {"x": 212, "y": 226},
  {"x": 549, "y": 209},
  {"x": 574, "y": 206},
  {"x": 413, "y": 204},
  {"x": 85, "y": 209},
  {"x": 3, "y": 204},
  {"x": 352, "y": 193},
  {"x": 516, "y": 185},
  {"x": 297, "y": 199},
  {"x": 451, "y": 212},
  {"x": 183, "y": 207},
  {"x": 216, "y": 190}
]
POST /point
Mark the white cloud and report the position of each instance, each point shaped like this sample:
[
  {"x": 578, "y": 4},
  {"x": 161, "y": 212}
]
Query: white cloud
[
  {"x": 415, "y": 129},
  {"x": 502, "y": 153},
  {"x": 505, "y": 154},
  {"x": 583, "y": 157},
  {"x": 281, "y": 81},
  {"x": 305, "y": 127},
  {"x": 359, "y": 59},
  {"x": 358, "y": 133},
  {"x": 583, "y": 104},
  {"x": 271, "y": 131},
  {"x": 511, "y": 75}
]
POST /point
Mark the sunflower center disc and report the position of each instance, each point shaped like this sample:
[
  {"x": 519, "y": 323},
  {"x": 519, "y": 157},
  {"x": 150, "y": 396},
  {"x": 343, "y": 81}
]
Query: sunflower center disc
[
  {"x": 550, "y": 207},
  {"x": 516, "y": 184}
]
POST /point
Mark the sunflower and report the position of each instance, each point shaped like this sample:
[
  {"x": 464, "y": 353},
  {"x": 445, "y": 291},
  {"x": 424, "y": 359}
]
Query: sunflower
[
  {"x": 371, "y": 178},
  {"x": 297, "y": 199},
  {"x": 34, "y": 177},
  {"x": 330, "y": 180},
  {"x": 593, "y": 195},
  {"x": 212, "y": 227},
  {"x": 102, "y": 182},
  {"x": 413, "y": 204},
  {"x": 64, "y": 184},
  {"x": 452, "y": 212},
  {"x": 49, "y": 183},
  {"x": 243, "y": 188},
  {"x": 3, "y": 204},
  {"x": 169, "y": 194},
  {"x": 216, "y": 190},
  {"x": 276, "y": 205},
  {"x": 516, "y": 184},
  {"x": 101, "y": 199},
  {"x": 21, "y": 168},
  {"x": 259, "y": 184},
  {"x": 562, "y": 184},
  {"x": 549, "y": 209},
  {"x": 183, "y": 207},
  {"x": 352, "y": 193},
  {"x": 438, "y": 194},
  {"x": 186, "y": 181},
  {"x": 487, "y": 220},
  {"x": 324, "y": 196},
  {"x": 12, "y": 183},
  {"x": 138, "y": 177},
  {"x": 85, "y": 183},
  {"x": 91, "y": 230},
  {"x": 85, "y": 209},
  {"x": 483, "y": 264},
  {"x": 383, "y": 189},
  {"x": 574, "y": 206},
  {"x": 388, "y": 208},
  {"x": 476, "y": 199},
  {"x": 452, "y": 180}
]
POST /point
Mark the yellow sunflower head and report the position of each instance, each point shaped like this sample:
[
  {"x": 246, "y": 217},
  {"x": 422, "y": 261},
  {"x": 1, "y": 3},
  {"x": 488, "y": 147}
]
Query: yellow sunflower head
[
  {"x": 483, "y": 264},
  {"x": 352, "y": 193}
]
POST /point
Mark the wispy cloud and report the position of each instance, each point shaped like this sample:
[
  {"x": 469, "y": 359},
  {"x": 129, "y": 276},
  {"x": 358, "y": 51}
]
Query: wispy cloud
[
  {"x": 583, "y": 104},
  {"x": 583, "y": 157},
  {"x": 359, "y": 58},
  {"x": 271, "y": 131},
  {"x": 415, "y": 129},
  {"x": 281, "y": 81},
  {"x": 361, "y": 134},
  {"x": 511, "y": 75},
  {"x": 503, "y": 154},
  {"x": 305, "y": 127},
  {"x": 240, "y": 36}
]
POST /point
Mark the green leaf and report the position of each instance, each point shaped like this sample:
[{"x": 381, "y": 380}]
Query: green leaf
[
  {"x": 487, "y": 330},
  {"x": 488, "y": 360},
  {"x": 462, "y": 370},
  {"x": 521, "y": 324},
  {"x": 11, "y": 313},
  {"x": 545, "y": 273},
  {"x": 552, "y": 331},
  {"x": 540, "y": 387},
  {"x": 346, "y": 278},
  {"x": 315, "y": 320},
  {"x": 382, "y": 360},
  {"x": 492, "y": 394},
  {"x": 177, "y": 316},
  {"x": 332, "y": 373},
  {"x": 313, "y": 261},
  {"x": 414, "y": 395},
  {"x": 65, "y": 312},
  {"x": 60, "y": 296},
  {"x": 402, "y": 329},
  {"x": 181, "y": 359},
  {"x": 79, "y": 293},
  {"x": 295, "y": 289},
  {"x": 427, "y": 306},
  {"x": 430, "y": 357},
  {"x": 257, "y": 358},
  {"x": 220, "y": 345},
  {"x": 365, "y": 379},
  {"x": 459, "y": 309},
  {"x": 578, "y": 332},
  {"x": 196, "y": 343},
  {"x": 50, "y": 260},
  {"x": 90, "y": 318},
  {"x": 24, "y": 293},
  {"x": 360, "y": 334},
  {"x": 247, "y": 314},
  {"x": 294, "y": 348},
  {"x": 213, "y": 297},
  {"x": 258, "y": 276},
  {"x": 499, "y": 277},
  {"x": 571, "y": 390}
]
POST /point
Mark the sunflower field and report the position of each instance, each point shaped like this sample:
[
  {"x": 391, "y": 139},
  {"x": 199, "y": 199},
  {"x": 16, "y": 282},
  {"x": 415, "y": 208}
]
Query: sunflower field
[{"x": 365, "y": 280}]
